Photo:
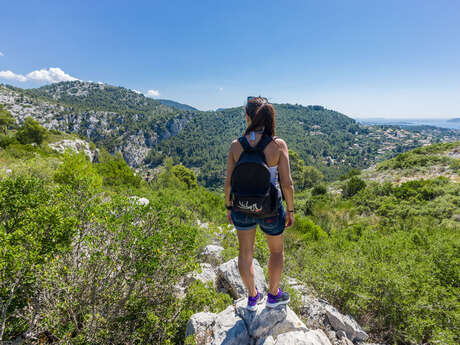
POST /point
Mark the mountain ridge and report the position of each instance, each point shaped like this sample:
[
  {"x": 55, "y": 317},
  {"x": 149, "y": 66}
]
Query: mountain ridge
[{"x": 146, "y": 130}]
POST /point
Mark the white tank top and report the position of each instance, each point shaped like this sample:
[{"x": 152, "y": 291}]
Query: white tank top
[{"x": 274, "y": 178}]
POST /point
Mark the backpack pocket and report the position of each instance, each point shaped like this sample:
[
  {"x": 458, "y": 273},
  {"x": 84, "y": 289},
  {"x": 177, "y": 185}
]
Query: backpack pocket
[{"x": 256, "y": 205}]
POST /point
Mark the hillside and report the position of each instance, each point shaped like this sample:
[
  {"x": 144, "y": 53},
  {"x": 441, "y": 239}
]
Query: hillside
[
  {"x": 114, "y": 117},
  {"x": 325, "y": 139},
  {"x": 176, "y": 105},
  {"x": 386, "y": 253},
  {"x": 146, "y": 131}
]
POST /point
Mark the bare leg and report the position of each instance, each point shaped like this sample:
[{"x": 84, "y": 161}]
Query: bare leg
[
  {"x": 246, "y": 240},
  {"x": 275, "y": 264}
]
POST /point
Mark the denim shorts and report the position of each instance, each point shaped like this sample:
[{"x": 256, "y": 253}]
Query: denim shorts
[{"x": 270, "y": 225}]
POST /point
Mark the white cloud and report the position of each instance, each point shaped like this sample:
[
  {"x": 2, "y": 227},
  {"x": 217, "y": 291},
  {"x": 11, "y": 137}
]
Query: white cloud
[
  {"x": 136, "y": 91},
  {"x": 221, "y": 89},
  {"x": 50, "y": 75},
  {"x": 12, "y": 76},
  {"x": 1, "y": 54},
  {"x": 153, "y": 93}
]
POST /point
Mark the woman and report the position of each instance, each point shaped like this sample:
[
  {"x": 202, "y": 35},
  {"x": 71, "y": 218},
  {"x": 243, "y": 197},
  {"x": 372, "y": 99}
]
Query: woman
[{"x": 260, "y": 117}]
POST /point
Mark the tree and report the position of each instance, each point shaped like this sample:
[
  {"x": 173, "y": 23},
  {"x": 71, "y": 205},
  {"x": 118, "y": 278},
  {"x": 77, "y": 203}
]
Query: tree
[
  {"x": 302, "y": 175},
  {"x": 31, "y": 132},
  {"x": 353, "y": 186},
  {"x": 185, "y": 175},
  {"x": 6, "y": 119}
]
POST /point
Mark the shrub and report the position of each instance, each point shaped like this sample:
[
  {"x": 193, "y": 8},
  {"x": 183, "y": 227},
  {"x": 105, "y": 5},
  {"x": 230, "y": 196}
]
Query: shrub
[
  {"x": 31, "y": 132},
  {"x": 349, "y": 174},
  {"x": 353, "y": 186},
  {"x": 185, "y": 175},
  {"x": 115, "y": 171},
  {"x": 319, "y": 189},
  {"x": 6, "y": 141},
  {"x": 35, "y": 225},
  {"x": 308, "y": 229}
]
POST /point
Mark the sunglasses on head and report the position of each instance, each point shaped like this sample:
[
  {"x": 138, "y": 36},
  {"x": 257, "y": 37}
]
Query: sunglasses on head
[{"x": 252, "y": 97}]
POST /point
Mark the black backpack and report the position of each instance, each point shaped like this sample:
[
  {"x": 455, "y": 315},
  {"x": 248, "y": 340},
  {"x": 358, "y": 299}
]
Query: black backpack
[{"x": 251, "y": 190}]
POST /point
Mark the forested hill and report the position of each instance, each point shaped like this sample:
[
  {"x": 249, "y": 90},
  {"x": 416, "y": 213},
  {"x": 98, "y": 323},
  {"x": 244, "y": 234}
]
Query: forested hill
[
  {"x": 323, "y": 138},
  {"x": 146, "y": 131},
  {"x": 177, "y": 105},
  {"x": 114, "y": 117},
  {"x": 315, "y": 132}
]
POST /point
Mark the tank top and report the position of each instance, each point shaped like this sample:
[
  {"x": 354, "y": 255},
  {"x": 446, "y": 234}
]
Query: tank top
[{"x": 274, "y": 178}]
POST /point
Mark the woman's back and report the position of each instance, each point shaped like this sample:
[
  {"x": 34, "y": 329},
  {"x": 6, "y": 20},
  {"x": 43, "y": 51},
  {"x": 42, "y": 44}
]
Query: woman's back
[
  {"x": 276, "y": 154},
  {"x": 272, "y": 151}
]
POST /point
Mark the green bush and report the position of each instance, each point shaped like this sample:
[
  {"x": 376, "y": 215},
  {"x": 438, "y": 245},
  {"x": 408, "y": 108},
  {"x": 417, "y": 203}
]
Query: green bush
[
  {"x": 35, "y": 225},
  {"x": 185, "y": 175},
  {"x": 31, "y": 132},
  {"x": 115, "y": 171},
  {"x": 319, "y": 189},
  {"x": 353, "y": 186},
  {"x": 6, "y": 140},
  {"x": 349, "y": 174},
  {"x": 308, "y": 229}
]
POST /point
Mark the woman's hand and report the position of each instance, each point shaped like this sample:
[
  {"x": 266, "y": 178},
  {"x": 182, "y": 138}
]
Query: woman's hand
[
  {"x": 289, "y": 219},
  {"x": 229, "y": 216}
]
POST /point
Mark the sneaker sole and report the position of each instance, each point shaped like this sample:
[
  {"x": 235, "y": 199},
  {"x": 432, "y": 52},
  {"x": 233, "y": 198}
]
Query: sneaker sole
[
  {"x": 254, "y": 308},
  {"x": 274, "y": 305}
]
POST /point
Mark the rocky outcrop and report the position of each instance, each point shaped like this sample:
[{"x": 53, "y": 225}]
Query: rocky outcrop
[
  {"x": 345, "y": 323},
  {"x": 236, "y": 325},
  {"x": 104, "y": 126},
  {"x": 319, "y": 323},
  {"x": 76, "y": 145}
]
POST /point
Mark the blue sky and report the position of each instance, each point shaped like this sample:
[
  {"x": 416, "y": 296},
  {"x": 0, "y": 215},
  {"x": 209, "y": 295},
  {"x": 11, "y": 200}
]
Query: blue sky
[{"x": 363, "y": 58}]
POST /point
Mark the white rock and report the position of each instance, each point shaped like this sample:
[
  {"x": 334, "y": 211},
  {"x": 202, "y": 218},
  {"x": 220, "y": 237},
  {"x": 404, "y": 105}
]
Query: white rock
[
  {"x": 229, "y": 329},
  {"x": 314, "y": 337},
  {"x": 269, "y": 321},
  {"x": 346, "y": 341},
  {"x": 345, "y": 323},
  {"x": 140, "y": 201},
  {"x": 206, "y": 273},
  {"x": 212, "y": 254},
  {"x": 266, "y": 341},
  {"x": 200, "y": 325},
  {"x": 229, "y": 279},
  {"x": 75, "y": 145}
]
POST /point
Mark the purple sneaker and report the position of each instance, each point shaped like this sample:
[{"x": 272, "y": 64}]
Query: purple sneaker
[
  {"x": 281, "y": 298},
  {"x": 253, "y": 301}
]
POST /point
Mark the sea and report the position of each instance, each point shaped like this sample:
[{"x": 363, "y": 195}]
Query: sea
[{"x": 443, "y": 123}]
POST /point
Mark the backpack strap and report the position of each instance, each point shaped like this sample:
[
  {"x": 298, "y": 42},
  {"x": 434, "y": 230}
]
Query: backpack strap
[
  {"x": 261, "y": 145},
  {"x": 263, "y": 142},
  {"x": 244, "y": 142}
]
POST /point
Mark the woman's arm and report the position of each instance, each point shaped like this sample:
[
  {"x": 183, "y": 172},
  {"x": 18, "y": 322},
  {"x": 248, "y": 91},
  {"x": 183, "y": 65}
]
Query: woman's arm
[{"x": 285, "y": 175}]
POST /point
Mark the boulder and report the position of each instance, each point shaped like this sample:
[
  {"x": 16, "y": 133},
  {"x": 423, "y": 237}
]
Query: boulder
[
  {"x": 239, "y": 326},
  {"x": 266, "y": 341},
  {"x": 206, "y": 273},
  {"x": 346, "y": 323},
  {"x": 313, "y": 337},
  {"x": 212, "y": 254},
  {"x": 200, "y": 325},
  {"x": 268, "y": 321},
  {"x": 229, "y": 329},
  {"x": 139, "y": 201},
  {"x": 229, "y": 279}
]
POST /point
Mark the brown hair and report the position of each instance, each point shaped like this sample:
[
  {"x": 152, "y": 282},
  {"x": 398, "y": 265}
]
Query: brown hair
[{"x": 262, "y": 114}]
